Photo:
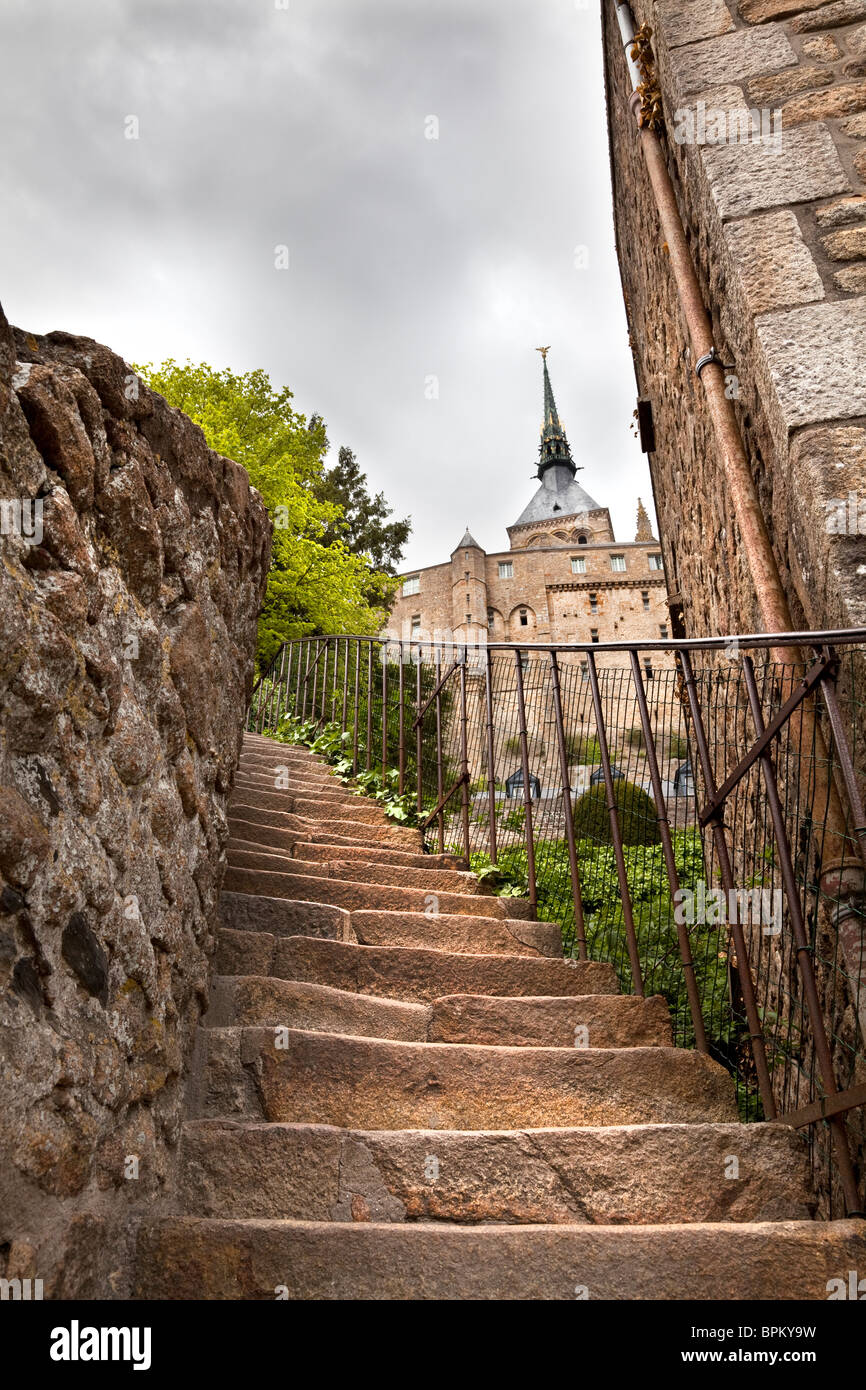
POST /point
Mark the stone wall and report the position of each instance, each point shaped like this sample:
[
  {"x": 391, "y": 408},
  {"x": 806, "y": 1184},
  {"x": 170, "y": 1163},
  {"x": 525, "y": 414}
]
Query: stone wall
[
  {"x": 128, "y": 614},
  {"x": 777, "y": 227}
]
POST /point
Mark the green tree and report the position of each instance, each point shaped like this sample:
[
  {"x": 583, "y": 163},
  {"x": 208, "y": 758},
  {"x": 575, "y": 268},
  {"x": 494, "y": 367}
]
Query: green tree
[
  {"x": 364, "y": 526},
  {"x": 317, "y": 582}
]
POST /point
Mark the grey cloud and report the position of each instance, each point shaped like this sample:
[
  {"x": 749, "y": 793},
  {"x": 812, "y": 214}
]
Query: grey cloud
[{"x": 409, "y": 257}]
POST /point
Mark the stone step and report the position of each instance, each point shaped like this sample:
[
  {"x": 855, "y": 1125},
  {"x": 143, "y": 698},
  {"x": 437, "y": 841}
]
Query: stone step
[
  {"x": 268, "y": 770},
  {"x": 592, "y": 1020},
  {"x": 588, "y": 1020},
  {"x": 303, "y": 833},
  {"x": 354, "y": 895},
  {"x": 624, "y": 1174},
  {"x": 356, "y": 832},
  {"x": 264, "y": 1001},
  {"x": 200, "y": 1258},
  {"x": 290, "y": 842},
  {"x": 325, "y": 806},
  {"x": 458, "y": 932},
  {"x": 242, "y": 912},
  {"x": 369, "y": 1083},
  {"x": 252, "y": 856},
  {"x": 375, "y": 854},
  {"x": 418, "y": 975}
]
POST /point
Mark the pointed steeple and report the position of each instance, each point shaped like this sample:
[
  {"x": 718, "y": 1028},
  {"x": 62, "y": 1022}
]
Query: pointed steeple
[
  {"x": 467, "y": 543},
  {"x": 644, "y": 525},
  {"x": 553, "y": 451}
]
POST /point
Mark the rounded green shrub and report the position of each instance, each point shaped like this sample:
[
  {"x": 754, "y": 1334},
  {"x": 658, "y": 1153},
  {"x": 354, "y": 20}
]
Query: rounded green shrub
[{"x": 635, "y": 809}]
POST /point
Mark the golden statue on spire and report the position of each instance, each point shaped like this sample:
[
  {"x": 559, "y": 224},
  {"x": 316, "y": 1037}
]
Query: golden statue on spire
[{"x": 544, "y": 351}]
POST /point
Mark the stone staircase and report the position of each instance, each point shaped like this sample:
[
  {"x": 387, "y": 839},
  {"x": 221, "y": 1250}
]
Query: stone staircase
[{"x": 387, "y": 1100}]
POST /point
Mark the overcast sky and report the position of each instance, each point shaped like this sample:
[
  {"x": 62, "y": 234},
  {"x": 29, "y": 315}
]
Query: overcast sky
[{"x": 305, "y": 124}]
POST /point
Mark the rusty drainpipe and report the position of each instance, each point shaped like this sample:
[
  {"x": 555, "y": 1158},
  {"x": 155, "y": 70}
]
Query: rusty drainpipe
[{"x": 849, "y": 882}]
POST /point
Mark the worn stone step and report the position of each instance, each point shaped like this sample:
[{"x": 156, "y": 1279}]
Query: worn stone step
[
  {"x": 592, "y": 1020},
  {"x": 374, "y": 854},
  {"x": 625, "y": 1174},
  {"x": 588, "y": 1020},
  {"x": 243, "y": 912},
  {"x": 368, "y": 1083},
  {"x": 268, "y": 771},
  {"x": 356, "y": 832},
  {"x": 416, "y": 975},
  {"x": 252, "y": 856},
  {"x": 264, "y": 1001},
  {"x": 457, "y": 932},
  {"x": 201, "y": 1258},
  {"x": 357, "y": 895},
  {"x": 302, "y": 833},
  {"x": 333, "y": 806}
]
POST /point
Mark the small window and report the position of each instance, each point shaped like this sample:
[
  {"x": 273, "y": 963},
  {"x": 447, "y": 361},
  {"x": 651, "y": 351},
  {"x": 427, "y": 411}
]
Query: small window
[
  {"x": 593, "y": 603},
  {"x": 469, "y": 617},
  {"x": 578, "y": 564},
  {"x": 646, "y": 602},
  {"x": 490, "y": 617},
  {"x": 506, "y": 569},
  {"x": 467, "y": 574},
  {"x": 468, "y": 599},
  {"x": 617, "y": 562},
  {"x": 581, "y": 540},
  {"x": 655, "y": 562},
  {"x": 524, "y": 663},
  {"x": 584, "y": 670},
  {"x": 663, "y": 631},
  {"x": 411, "y": 585},
  {"x": 416, "y": 624},
  {"x": 648, "y": 669},
  {"x": 593, "y": 634},
  {"x": 524, "y": 619}
]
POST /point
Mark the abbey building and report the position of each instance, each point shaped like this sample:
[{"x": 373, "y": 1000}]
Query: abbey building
[{"x": 564, "y": 578}]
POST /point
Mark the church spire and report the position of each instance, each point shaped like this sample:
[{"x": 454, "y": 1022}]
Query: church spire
[
  {"x": 553, "y": 450},
  {"x": 644, "y": 525}
]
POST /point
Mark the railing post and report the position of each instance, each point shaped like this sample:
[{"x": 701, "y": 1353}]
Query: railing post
[
  {"x": 345, "y": 683},
  {"x": 334, "y": 680},
  {"x": 369, "y": 705},
  {"x": 491, "y": 756},
  {"x": 401, "y": 729},
  {"x": 747, "y": 988},
  {"x": 846, "y": 765},
  {"x": 357, "y": 645},
  {"x": 440, "y": 772},
  {"x": 669, "y": 856},
  {"x": 616, "y": 834},
  {"x": 464, "y": 760},
  {"x": 325, "y": 654},
  {"x": 302, "y": 646},
  {"x": 804, "y": 953},
  {"x": 527, "y": 788},
  {"x": 568, "y": 810},
  {"x": 419, "y": 740},
  {"x": 274, "y": 718},
  {"x": 383, "y": 653},
  {"x": 315, "y": 679},
  {"x": 309, "y": 645}
]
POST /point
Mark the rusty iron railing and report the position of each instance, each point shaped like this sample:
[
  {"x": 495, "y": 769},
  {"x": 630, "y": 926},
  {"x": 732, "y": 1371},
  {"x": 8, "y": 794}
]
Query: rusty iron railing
[{"x": 690, "y": 811}]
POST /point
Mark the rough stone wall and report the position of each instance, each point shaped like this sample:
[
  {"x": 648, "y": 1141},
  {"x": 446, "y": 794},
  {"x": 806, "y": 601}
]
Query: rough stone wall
[
  {"x": 127, "y": 633},
  {"x": 778, "y": 230}
]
